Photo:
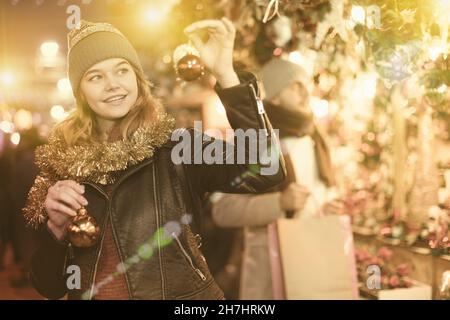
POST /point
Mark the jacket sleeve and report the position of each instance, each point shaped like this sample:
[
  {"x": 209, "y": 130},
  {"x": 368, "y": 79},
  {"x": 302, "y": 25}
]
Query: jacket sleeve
[
  {"x": 48, "y": 274},
  {"x": 230, "y": 172},
  {"x": 244, "y": 210}
]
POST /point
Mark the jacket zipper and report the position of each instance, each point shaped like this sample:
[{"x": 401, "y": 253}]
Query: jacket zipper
[
  {"x": 91, "y": 294},
  {"x": 260, "y": 109},
  {"x": 155, "y": 197},
  {"x": 188, "y": 257}
]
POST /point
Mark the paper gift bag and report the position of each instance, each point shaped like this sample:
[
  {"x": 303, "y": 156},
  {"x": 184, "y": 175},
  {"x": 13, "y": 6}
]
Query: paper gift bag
[
  {"x": 276, "y": 269},
  {"x": 318, "y": 258}
]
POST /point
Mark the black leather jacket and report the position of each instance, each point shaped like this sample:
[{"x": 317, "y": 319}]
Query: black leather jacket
[{"x": 146, "y": 199}]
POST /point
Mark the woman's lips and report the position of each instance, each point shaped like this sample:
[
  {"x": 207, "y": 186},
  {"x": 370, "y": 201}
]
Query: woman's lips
[{"x": 116, "y": 100}]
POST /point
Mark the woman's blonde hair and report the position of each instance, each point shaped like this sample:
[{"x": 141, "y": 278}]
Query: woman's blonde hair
[{"x": 81, "y": 126}]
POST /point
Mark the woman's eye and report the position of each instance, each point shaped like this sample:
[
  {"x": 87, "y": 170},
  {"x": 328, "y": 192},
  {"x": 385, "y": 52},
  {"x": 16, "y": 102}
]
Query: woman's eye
[
  {"x": 94, "y": 78},
  {"x": 123, "y": 71}
]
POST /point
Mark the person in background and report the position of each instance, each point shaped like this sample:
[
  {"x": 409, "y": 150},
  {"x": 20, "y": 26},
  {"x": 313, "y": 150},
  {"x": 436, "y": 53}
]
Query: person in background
[
  {"x": 23, "y": 172},
  {"x": 307, "y": 188},
  {"x": 5, "y": 198}
]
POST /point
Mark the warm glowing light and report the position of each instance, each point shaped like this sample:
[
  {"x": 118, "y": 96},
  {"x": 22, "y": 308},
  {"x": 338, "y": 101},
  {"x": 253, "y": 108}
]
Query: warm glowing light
[
  {"x": 64, "y": 85},
  {"x": 443, "y": 4},
  {"x": 320, "y": 107},
  {"x": 23, "y": 119},
  {"x": 370, "y": 86},
  {"x": 442, "y": 89},
  {"x": 296, "y": 57},
  {"x": 435, "y": 49},
  {"x": 167, "y": 59},
  {"x": 49, "y": 49},
  {"x": 58, "y": 113},
  {"x": 360, "y": 48},
  {"x": 333, "y": 107},
  {"x": 6, "y": 126},
  {"x": 7, "y": 78},
  {"x": 154, "y": 15},
  {"x": 15, "y": 138},
  {"x": 358, "y": 14}
]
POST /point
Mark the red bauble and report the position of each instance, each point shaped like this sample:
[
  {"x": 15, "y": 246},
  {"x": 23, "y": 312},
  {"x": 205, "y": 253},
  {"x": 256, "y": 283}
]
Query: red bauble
[
  {"x": 190, "y": 68},
  {"x": 83, "y": 231}
]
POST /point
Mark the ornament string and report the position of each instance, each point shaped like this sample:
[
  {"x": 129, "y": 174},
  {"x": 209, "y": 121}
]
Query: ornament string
[{"x": 267, "y": 15}]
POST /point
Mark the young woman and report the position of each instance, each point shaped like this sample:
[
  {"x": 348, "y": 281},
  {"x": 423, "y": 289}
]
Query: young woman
[{"x": 112, "y": 156}]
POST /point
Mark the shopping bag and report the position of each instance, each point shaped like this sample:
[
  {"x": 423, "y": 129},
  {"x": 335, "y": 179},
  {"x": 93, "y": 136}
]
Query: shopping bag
[
  {"x": 318, "y": 260},
  {"x": 276, "y": 269}
]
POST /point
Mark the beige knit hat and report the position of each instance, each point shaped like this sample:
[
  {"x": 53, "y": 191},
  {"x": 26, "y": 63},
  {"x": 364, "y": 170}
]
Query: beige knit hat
[
  {"x": 278, "y": 74},
  {"x": 93, "y": 42}
]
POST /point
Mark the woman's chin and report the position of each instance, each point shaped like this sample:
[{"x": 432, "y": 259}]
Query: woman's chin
[{"x": 116, "y": 114}]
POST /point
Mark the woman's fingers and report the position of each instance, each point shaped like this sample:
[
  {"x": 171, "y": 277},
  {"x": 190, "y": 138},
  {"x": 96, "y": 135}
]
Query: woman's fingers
[
  {"x": 228, "y": 25},
  {"x": 197, "y": 41},
  {"x": 69, "y": 192},
  {"x": 72, "y": 184},
  {"x": 215, "y": 25},
  {"x": 70, "y": 196},
  {"x": 56, "y": 208},
  {"x": 63, "y": 200},
  {"x": 68, "y": 199},
  {"x": 59, "y": 219}
]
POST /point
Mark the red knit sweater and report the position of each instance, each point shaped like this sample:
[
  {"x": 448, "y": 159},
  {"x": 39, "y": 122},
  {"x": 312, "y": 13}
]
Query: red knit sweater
[{"x": 107, "y": 265}]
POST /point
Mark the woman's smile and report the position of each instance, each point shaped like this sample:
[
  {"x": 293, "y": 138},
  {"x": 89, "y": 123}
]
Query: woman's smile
[{"x": 116, "y": 100}]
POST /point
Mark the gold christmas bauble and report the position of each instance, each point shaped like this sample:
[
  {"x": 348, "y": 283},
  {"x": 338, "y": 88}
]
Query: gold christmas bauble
[
  {"x": 190, "y": 67},
  {"x": 83, "y": 231}
]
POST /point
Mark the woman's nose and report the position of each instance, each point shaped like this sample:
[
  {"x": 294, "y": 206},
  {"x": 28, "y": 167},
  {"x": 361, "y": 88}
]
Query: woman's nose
[{"x": 111, "y": 83}]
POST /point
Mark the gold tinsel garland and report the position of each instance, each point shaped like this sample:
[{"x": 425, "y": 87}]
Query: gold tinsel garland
[
  {"x": 96, "y": 162},
  {"x": 34, "y": 210}
]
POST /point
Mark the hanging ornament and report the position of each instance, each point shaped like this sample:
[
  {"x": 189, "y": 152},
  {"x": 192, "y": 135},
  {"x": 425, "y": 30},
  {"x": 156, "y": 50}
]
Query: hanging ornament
[
  {"x": 282, "y": 28},
  {"x": 83, "y": 231},
  {"x": 187, "y": 63},
  {"x": 271, "y": 10},
  {"x": 398, "y": 63}
]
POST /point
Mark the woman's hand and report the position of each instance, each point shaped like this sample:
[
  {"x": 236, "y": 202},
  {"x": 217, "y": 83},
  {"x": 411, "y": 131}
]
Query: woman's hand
[
  {"x": 294, "y": 197},
  {"x": 334, "y": 207},
  {"x": 63, "y": 200},
  {"x": 217, "y": 52}
]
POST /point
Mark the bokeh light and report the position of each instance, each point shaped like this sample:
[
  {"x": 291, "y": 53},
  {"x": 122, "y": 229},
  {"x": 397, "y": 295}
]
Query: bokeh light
[
  {"x": 23, "y": 119},
  {"x": 64, "y": 86},
  {"x": 58, "y": 113},
  {"x": 15, "y": 138},
  {"x": 49, "y": 49}
]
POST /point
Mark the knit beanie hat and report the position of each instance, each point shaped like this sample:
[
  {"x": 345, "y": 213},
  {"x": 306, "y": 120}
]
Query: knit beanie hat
[
  {"x": 278, "y": 74},
  {"x": 92, "y": 43}
]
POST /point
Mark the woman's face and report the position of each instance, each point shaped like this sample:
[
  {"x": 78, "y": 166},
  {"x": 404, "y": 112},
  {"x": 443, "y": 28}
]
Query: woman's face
[
  {"x": 294, "y": 97},
  {"x": 110, "y": 88}
]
